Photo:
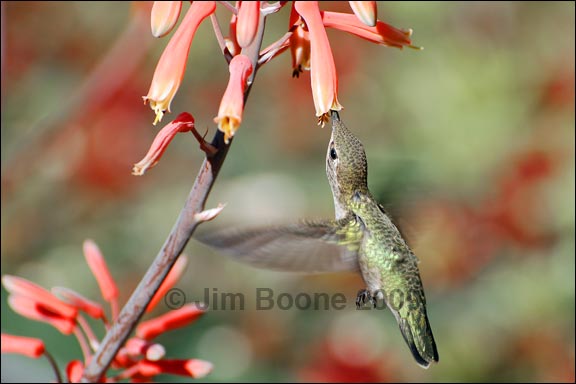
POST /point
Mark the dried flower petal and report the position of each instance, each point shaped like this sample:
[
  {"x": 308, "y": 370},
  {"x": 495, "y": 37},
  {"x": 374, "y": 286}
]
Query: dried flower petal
[
  {"x": 209, "y": 214},
  {"x": 178, "y": 318},
  {"x": 164, "y": 16},
  {"x": 27, "y": 346}
]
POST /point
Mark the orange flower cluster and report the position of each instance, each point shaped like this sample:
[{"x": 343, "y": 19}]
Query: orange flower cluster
[
  {"x": 140, "y": 359},
  {"x": 306, "y": 38}
]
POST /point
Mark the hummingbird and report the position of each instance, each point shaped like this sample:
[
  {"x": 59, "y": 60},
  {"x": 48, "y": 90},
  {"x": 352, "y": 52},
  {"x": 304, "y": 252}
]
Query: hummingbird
[{"x": 361, "y": 238}]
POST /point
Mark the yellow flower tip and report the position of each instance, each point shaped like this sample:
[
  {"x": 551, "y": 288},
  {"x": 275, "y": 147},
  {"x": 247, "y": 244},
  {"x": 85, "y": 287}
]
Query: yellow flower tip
[
  {"x": 229, "y": 125},
  {"x": 416, "y": 47},
  {"x": 138, "y": 170},
  {"x": 159, "y": 115}
]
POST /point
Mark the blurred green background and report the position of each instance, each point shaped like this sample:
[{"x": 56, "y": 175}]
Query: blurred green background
[{"x": 470, "y": 145}]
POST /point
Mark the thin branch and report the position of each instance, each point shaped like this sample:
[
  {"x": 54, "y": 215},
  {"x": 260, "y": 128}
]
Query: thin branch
[
  {"x": 229, "y": 7},
  {"x": 220, "y": 38},
  {"x": 83, "y": 343},
  {"x": 174, "y": 245},
  {"x": 275, "y": 49},
  {"x": 54, "y": 367}
]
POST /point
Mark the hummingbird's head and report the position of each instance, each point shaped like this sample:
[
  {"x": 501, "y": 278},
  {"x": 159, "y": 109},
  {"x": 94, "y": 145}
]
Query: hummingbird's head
[{"x": 346, "y": 166}]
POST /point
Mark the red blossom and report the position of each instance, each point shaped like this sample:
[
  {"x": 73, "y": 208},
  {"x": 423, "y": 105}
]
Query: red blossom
[
  {"x": 18, "y": 286},
  {"x": 194, "y": 368},
  {"x": 172, "y": 64},
  {"x": 75, "y": 299},
  {"x": 381, "y": 33},
  {"x": 178, "y": 318},
  {"x": 100, "y": 270},
  {"x": 324, "y": 79},
  {"x": 35, "y": 310},
  {"x": 74, "y": 371},
  {"x": 27, "y": 346},
  {"x": 232, "y": 105}
]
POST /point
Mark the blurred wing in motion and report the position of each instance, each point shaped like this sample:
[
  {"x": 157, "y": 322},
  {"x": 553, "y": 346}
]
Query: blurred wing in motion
[{"x": 302, "y": 247}]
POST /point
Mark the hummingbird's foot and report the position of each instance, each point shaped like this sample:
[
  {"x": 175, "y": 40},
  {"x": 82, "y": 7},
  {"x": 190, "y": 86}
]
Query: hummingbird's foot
[{"x": 364, "y": 296}]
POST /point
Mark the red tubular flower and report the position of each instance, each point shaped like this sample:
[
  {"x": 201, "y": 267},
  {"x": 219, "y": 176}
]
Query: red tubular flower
[
  {"x": 172, "y": 63},
  {"x": 366, "y": 11},
  {"x": 183, "y": 123},
  {"x": 27, "y": 346},
  {"x": 74, "y": 371},
  {"x": 35, "y": 310},
  {"x": 164, "y": 16},
  {"x": 194, "y": 368},
  {"x": 99, "y": 269},
  {"x": 323, "y": 71},
  {"x": 299, "y": 44},
  {"x": 136, "y": 347},
  {"x": 75, "y": 299},
  {"x": 20, "y": 287},
  {"x": 382, "y": 33},
  {"x": 232, "y": 104},
  {"x": 248, "y": 18},
  {"x": 173, "y": 277},
  {"x": 148, "y": 330}
]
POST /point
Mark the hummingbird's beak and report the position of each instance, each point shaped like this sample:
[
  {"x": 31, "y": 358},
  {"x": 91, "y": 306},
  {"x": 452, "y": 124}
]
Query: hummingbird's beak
[{"x": 335, "y": 116}]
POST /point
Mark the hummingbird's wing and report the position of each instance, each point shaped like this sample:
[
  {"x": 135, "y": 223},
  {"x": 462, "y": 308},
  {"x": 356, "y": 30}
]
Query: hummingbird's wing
[{"x": 319, "y": 246}]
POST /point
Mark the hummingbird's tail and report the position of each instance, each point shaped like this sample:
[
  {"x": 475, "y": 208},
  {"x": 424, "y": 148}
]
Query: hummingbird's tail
[{"x": 417, "y": 332}]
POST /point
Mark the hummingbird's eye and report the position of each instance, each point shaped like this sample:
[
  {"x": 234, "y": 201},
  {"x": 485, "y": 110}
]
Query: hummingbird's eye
[{"x": 333, "y": 154}]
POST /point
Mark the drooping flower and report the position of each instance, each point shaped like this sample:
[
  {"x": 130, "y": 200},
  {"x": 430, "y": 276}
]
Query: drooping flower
[
  {"x": 323, "y": 75},
  {"x": 232, "y": 105},
  {"x": 381, "y": 33},
  {"x": 299, "y": 44},
  {"x": 172, "y": 64},
  {"x": 164, "y": 16},
  {"x": 183, "y": 123}
]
